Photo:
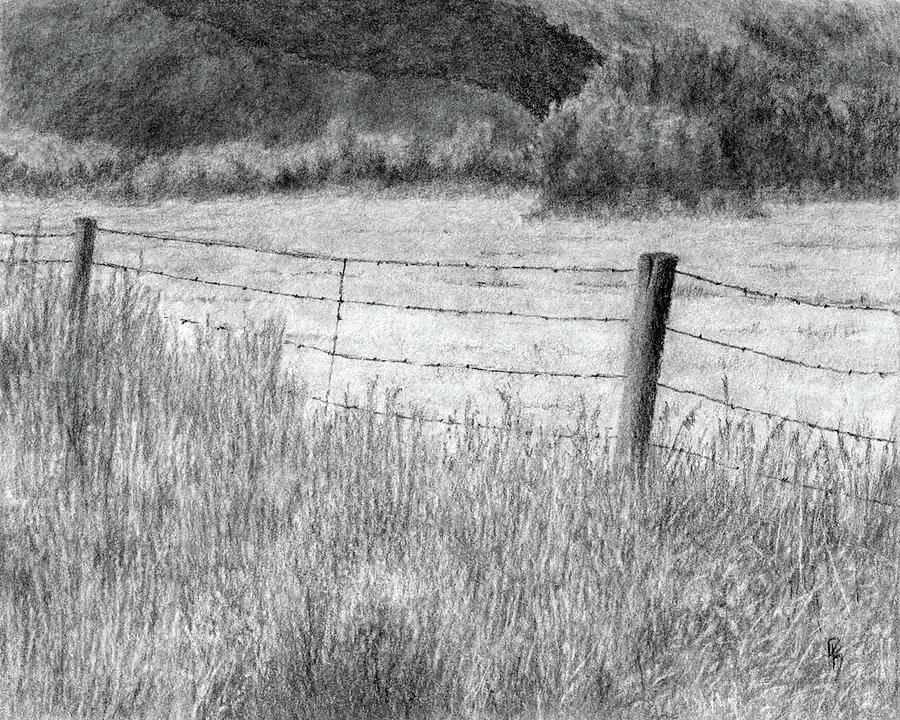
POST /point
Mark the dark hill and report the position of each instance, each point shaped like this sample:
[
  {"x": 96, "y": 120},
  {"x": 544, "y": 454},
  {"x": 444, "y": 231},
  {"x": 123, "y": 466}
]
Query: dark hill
[
  {"x": 492, "y": 44},
  {"x": 122, "y": 72}
]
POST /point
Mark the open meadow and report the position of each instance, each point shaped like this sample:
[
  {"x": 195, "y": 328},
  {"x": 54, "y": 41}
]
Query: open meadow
[{"x": 187, "y": 534}]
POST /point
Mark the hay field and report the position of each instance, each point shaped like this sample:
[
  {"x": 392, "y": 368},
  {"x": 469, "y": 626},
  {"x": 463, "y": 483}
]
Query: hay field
[{"x": 846, "y": 252}]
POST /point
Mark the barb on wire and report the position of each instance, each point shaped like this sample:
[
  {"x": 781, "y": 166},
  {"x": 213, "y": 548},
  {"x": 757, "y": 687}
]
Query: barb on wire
[
  {"x": 191, "y": 321},
  {"x": 774, "y": 478},
  {"x": 807, "y": 423},
  {"x": 779, "y": 358},
  {"x": 457, "y": 366},
  {"x": 788, "y": 298},
  {"x": 327, "y": 257}
]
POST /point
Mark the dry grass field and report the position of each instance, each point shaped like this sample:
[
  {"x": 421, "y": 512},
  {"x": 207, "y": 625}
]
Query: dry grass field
[{"x": 183, "y": 535}]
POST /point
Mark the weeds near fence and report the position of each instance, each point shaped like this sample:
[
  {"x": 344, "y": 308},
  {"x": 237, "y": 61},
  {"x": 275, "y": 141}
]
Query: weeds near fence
[{"x": 225, "y": 548}]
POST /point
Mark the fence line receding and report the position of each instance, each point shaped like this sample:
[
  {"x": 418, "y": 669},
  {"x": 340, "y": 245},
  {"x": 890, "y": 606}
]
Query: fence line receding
[{"x": 655, "y": 276}]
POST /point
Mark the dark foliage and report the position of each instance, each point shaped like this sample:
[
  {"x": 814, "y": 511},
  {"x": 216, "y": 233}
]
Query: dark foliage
[
  {"x": 808, "y": 103},
  {"x": 606, "y": 149},
  {"x": 489, "y": 43},
  {"x": 782, "y": 120}
]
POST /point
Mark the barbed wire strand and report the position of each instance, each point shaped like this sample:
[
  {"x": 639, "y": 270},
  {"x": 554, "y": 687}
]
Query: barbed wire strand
[
  {"x": 366, "y": 303},
  {"x": 457, "y": 366},
  {"x": 36, "y": 261},
  {"x": 38, "y": 236},
  {"x": 494, "y": 313},
  {"x": 832, "y": 305},
  {"x": 789, "y": 361},
  {"x": 776, "y": 478},
  {"x": 337, "y": 325},
  {"x": 454, "y": 422},
  {"x": 382, "y": 413},
  {"x": 807, "y": 423},
  {"x": 215, "y": 283},
  {"x": 417, "y": 363},
  {"x": 326, "y": 257}
]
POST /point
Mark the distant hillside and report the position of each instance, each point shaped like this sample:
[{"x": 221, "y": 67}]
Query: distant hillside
[
  {"x": 511, "y": 49},
  {"x": 121, "y": 72}
]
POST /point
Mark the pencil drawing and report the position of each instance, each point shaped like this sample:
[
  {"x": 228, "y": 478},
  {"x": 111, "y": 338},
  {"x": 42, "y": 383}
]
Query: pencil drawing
[{"x": 475, "y": 359}]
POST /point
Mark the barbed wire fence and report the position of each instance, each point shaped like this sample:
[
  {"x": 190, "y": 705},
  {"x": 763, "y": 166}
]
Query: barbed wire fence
[{"x": 638, "y": 394}]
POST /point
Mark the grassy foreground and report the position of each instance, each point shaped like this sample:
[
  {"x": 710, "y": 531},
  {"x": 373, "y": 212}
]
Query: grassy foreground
[{"x": 215, "y": 546}]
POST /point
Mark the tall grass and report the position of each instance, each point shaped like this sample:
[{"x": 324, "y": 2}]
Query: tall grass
[{"x": 212, "y": 545}]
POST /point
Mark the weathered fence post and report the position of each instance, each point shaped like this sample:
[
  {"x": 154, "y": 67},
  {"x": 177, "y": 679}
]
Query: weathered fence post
[
  {"x": 85, "y": 233},
  {"x": 652, "y": 298}
]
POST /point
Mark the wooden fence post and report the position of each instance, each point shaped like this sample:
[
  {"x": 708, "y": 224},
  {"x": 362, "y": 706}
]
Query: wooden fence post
[
  {"x": 85, "y": 233},
  {"x": 652, "y": 298}
]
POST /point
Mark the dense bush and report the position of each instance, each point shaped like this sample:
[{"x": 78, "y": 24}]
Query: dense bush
[
  {"x": 811, "y": 98},
  {"x": 42, "y": 163},
  {"x": 603, "y": 147},
  {"x": 810, "y": 101}
]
